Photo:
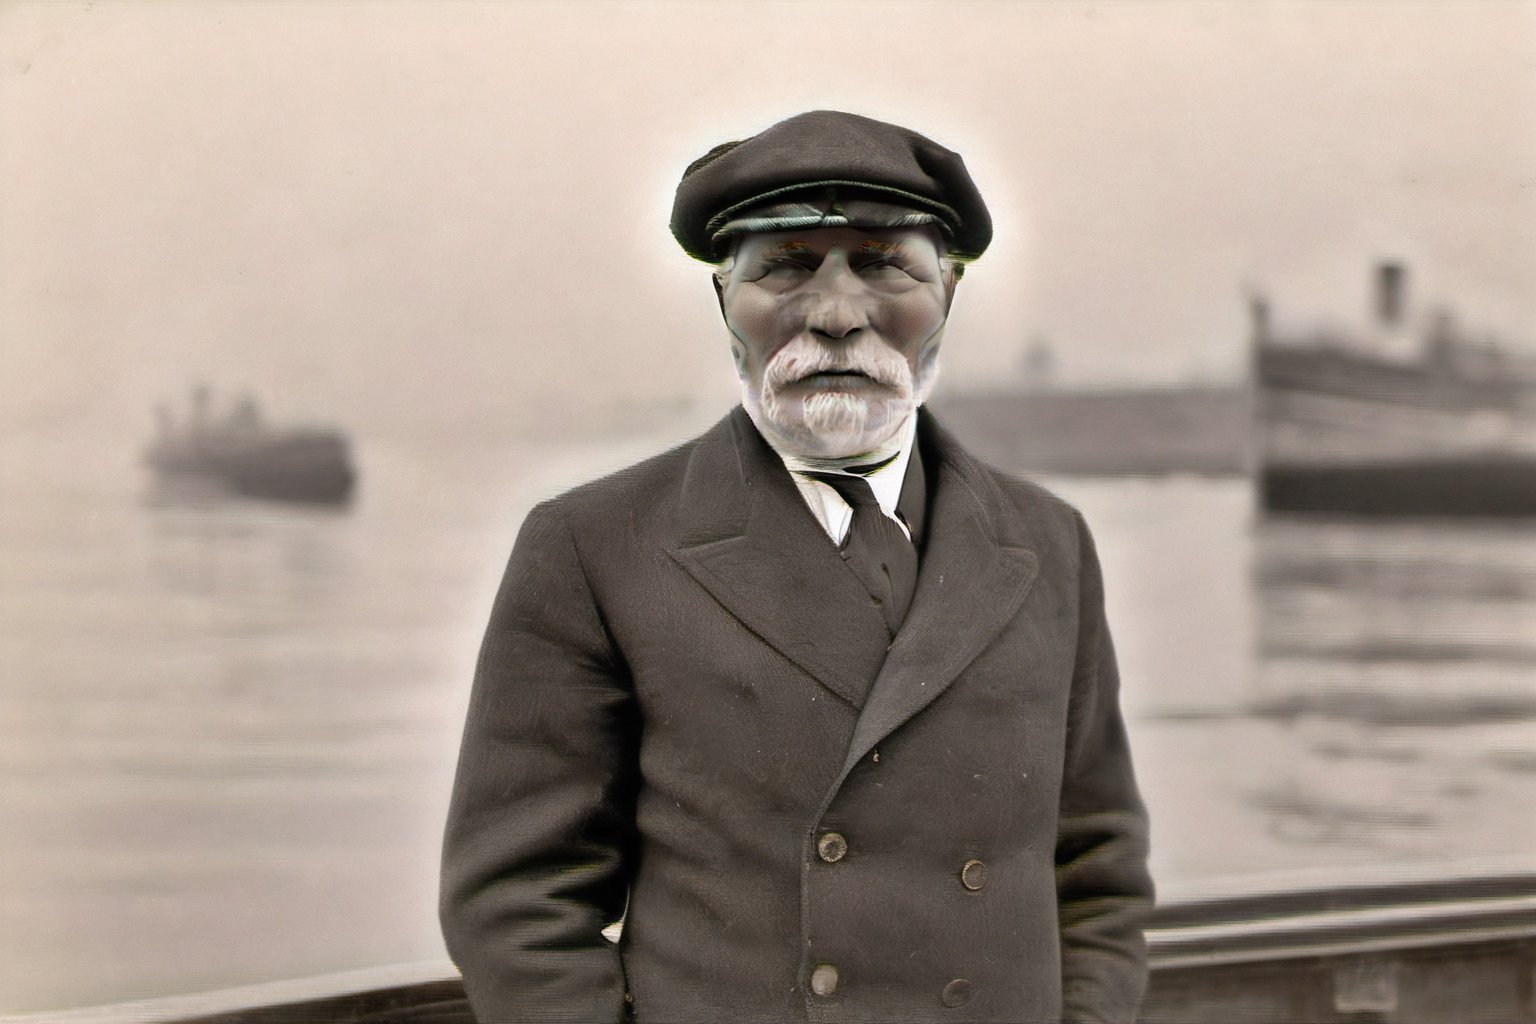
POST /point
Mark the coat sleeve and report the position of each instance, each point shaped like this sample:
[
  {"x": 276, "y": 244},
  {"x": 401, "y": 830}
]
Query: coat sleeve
[
  {"x": 1104, "y": 890},
  {"x": 539, "y": 843}
]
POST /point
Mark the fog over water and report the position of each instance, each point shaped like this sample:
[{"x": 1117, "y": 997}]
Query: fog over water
[{"x": 401, "y": 212}]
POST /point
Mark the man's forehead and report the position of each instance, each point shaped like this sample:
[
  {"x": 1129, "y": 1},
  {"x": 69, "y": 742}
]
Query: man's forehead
[{"x": 885, "y": 240}]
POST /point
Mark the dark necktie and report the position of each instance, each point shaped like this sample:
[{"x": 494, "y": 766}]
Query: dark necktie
[{"x": 876, "y": 549}]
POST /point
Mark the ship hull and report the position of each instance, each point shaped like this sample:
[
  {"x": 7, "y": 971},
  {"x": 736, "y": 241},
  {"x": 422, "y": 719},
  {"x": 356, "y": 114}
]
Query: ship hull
[
  {"x": 1345, "y": 433},
  {"x": 310, "y": 468},
  {"x": 1491, "y": 488}
]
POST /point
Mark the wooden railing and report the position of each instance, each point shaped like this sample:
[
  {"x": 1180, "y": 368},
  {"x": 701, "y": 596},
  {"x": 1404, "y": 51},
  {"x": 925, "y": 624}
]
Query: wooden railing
[{"x": 1443, "y": 951}]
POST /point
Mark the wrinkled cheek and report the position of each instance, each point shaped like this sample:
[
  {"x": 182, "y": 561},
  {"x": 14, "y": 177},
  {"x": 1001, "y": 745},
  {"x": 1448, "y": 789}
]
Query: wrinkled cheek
[
  {"x": 763, "y": 328},
  {"x": 756, "y": 319},
  {"x": 912, "y": 322},
  {"x": 743, "y": 323}
]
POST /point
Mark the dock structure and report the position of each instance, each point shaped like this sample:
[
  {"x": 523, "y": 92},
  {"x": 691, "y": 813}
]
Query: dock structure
[{"x": 1142, "y": 431}]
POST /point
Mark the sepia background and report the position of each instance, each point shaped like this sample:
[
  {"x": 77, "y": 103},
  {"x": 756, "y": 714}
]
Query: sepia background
[{"x": 227, "y": 726}]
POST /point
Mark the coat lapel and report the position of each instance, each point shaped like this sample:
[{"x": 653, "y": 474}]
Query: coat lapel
[
  {"x": 974, "y": 575},
  {"x": 746, "y": 536}
]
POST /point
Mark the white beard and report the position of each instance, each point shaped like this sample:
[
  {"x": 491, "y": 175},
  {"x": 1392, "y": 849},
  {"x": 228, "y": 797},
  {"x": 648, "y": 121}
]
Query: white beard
[{"x": 838, "y": 424}]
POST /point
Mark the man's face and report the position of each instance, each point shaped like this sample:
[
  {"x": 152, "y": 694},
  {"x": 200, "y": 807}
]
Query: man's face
[{"x": 835, "y": 332}]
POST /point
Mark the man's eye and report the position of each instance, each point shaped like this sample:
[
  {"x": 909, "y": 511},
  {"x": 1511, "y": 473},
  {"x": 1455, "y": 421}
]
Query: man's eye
[
  {"x": 882, "y": 266},
  {"x": 785, "y": 266}
]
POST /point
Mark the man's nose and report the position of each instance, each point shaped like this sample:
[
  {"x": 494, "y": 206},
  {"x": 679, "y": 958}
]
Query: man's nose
[{"x": 836, "y": 310}]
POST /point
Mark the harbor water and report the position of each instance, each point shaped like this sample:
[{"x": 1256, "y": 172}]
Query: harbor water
[{"x": 227, "y": 729}]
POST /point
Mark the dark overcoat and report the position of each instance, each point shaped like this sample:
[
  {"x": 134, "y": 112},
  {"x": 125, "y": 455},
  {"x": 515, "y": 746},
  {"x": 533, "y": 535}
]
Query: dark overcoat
[{"x": 683, "y": 691}]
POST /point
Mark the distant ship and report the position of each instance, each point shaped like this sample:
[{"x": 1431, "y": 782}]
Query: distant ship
[
  {"x": 1402, "y": 420},
  {"x": 240, "y": 453}
]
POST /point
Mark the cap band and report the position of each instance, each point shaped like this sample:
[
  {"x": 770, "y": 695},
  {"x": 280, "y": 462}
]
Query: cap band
[{"x": 829, "y": 213}]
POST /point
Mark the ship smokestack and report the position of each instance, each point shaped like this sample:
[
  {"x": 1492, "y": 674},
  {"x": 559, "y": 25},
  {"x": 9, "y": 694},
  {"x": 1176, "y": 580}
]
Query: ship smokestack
[
  {"x": 1391, "y": 293},
  {"x": 1258, "y": 318}
]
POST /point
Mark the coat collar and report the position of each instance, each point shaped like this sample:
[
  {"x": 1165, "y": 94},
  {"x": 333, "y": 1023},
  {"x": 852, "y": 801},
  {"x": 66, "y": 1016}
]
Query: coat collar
[
  {"x": 977, "y": 566},
  {"x": 746, "y": 536}
]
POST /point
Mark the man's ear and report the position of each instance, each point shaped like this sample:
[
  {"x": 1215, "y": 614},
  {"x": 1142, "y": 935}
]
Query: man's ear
[
  {"x": 951, "y": 278},
  {"x": 719, "y": 292}
]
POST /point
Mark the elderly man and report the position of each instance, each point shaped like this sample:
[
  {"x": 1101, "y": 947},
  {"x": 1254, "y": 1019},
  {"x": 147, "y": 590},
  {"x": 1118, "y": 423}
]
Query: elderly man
[{"x": 822, "y": 707}]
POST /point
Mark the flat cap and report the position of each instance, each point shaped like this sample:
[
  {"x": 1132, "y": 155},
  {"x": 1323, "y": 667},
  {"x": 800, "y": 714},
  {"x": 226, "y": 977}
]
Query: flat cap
[{"x": 828, "y": 153}]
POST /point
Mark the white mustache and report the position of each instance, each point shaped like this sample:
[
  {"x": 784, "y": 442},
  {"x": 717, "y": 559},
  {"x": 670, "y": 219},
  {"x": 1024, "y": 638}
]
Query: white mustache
[{"x": 804, "y": 357}]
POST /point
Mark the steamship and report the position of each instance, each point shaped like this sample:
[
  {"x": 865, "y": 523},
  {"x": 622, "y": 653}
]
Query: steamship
[
  {"x": 1411, "y": 417},
  {"x": 241, "y": 454}
]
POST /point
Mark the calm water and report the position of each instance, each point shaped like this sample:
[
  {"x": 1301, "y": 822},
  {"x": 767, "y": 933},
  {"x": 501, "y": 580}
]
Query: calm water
[{"x": 227, "y": 732}]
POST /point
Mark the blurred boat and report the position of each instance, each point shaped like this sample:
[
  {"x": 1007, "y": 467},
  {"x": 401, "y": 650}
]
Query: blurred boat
[
  {"x": 1403, "y": 419},
  {"x": 241, "y": 454}
]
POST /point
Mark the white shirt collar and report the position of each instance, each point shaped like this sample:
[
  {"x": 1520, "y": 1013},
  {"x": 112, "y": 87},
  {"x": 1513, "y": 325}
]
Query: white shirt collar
[{"x": 829, "y": 508}]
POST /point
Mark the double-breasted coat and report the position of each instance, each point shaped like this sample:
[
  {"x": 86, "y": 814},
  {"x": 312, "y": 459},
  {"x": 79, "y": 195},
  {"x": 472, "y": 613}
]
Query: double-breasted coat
[{"x": 688, "y": 712}]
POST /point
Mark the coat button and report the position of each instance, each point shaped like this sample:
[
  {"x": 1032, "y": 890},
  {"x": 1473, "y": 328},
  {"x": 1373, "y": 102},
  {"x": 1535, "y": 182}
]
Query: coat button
[
  {"x": 957, "y": 993},
  {"x": 832, "y": 847},
  {"x": 973, "y": 875},
  {"x": 824, "y": 980}
]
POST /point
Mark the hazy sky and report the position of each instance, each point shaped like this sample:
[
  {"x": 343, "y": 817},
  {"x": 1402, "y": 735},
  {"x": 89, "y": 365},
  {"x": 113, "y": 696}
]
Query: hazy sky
[{"x": 398, "y": 213}]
